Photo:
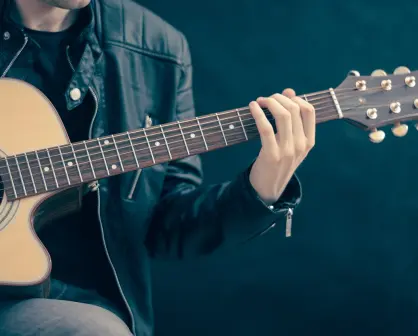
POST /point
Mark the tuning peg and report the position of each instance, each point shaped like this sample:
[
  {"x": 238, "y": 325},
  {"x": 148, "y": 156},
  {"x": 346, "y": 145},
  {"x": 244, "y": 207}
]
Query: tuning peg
[
  {"x": 410, "y": 81},
  {"x": 377, "y": 136},
  {"x": 354, "y": 73},
  {"x": 399, "y": 130},
  {"x": 402, "y": 70},
  {"x": 379, "y": 73}
]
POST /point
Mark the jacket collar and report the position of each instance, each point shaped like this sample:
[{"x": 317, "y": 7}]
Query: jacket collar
[{"x": 83, "y": 53}]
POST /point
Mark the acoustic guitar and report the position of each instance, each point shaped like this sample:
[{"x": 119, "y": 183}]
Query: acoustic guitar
[{"x": 40, "y": 170}]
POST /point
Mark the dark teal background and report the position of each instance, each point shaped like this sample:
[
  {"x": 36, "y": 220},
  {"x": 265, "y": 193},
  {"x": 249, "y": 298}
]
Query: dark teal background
[{"x": 351, "y": 267}]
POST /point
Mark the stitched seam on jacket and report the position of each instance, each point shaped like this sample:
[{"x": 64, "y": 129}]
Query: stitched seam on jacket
[{"x": 164, "y": 57}]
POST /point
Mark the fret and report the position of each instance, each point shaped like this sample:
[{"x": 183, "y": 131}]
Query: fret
[
  {"x": 21, "y": 177},
  {"x": 242, "y": 124},
  {"x": 203, "y": 135},
  {"x": 104, "y": 157},
  {"x": 118, "y": 154},
  {"x": 166, "y": 143},
  {"x": 306, "y": 98},
  {"x": 35, "y": 172},
  {"x": 91, "y": 163},
  {"x": 11, "y": 177},
  {"x": 126, "y": 151},
  {"x": 58, "y": 168},
  {"x": 76, "y": 162},
  {"x": 133, "y": 149},
  {"x": 194, "y": 136},
  {"x": 52, "y": 168},
  {"x": 233, "y": 127},
  {"x": 149, "y": 146},
  {"x": 70, "y": 163},
  {"x": 19, "y": 166},
  {"x": 211, "y": 135},
  {"x": 220, "y": 125},
  {"x": 31, "y": 174},
  {"x": 184, "y": 139},
  {"x": 83, "y": 161},
  {"x": 64, "y": 165},
  {"x": 41, "y": 170},
  {"x": 113, "y": 163},
  {"x": 95, "y": 160}
]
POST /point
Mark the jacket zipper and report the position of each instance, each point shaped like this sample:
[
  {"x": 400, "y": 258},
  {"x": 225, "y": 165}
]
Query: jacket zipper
[
  {"x": 96, "y": 101},
  {"x": 134, "y": 184},
  {"x": 15, "y": 57},
  {"x": 289, "y": 217}
]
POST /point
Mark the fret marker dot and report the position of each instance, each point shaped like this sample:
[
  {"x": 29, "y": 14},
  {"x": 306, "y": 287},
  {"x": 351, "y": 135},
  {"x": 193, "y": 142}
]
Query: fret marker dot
[
  {"x": 157, "y": 144},
  {"x": 114, "y": 166},
  {"x": 106, "y": 142},
  {"x": 46, "y": 169},
  {"x": 192, "y": 135},
  {"x": 231, "y": 126},
  {"x": 70, "y": 163}
]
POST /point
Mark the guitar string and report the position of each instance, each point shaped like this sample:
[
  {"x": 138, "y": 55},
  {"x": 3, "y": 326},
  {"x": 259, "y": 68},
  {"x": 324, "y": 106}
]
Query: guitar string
[
  {"x": 148, "y": 136},
  {"x": 143, "y": 143},
  {"x": 147, "y": 148},
  {"x": 235, "y": 116},
  {"x": 326, "y": 99},
  {"x": 61, "y": 177},
  {"x": 320, "y": 95},
  {"x": 122, "y": 154}
]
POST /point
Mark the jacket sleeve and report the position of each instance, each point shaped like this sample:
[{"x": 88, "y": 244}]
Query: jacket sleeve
[{"x": 192, "y": 219}]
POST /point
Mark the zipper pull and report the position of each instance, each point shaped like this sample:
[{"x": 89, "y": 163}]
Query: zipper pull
[{"x": 289, "y": 217}]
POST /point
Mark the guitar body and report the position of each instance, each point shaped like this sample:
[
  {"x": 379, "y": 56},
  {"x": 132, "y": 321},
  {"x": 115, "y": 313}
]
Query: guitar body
[{"x": 28, "y": 121}]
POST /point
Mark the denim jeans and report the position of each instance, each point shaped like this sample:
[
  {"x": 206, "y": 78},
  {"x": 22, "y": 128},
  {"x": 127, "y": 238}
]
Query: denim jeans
[{"x": 68, "y": 311}]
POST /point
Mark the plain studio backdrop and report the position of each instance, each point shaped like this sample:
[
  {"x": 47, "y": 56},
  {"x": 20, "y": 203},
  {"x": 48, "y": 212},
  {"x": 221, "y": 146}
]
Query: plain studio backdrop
[{"x": 351, "y": 267}]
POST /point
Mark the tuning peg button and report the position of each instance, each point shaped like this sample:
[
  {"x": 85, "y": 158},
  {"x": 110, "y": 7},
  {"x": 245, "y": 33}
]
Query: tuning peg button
[
  {"x": 361, "y": 85},
  {"x": 410, "y": 81},
  {"x": 379, "y": 73},
  {"x": 377, "y": 136},
  {"x": 354, "y": 73},
  {"x": 395, "y": 107},
  {"x": 386, "y": 84},
  {"x": 400, "y": 130},
  {"x": 402, "y": 70}
]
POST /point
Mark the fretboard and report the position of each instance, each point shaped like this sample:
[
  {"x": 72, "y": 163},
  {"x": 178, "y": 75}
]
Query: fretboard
[{"x": 70, "y": 165}]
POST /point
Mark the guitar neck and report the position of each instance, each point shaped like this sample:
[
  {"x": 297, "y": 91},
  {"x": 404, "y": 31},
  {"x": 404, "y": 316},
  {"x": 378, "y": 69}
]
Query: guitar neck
[{"x": 69, "y": 165}]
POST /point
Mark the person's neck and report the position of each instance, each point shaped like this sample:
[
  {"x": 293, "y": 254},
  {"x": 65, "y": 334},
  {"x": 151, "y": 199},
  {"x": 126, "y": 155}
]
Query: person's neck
[{"x": 36, "y": 15}]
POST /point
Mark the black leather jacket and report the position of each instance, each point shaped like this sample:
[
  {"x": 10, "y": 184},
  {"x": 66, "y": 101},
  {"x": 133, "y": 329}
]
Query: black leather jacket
[{"x": 138, "y": 70}]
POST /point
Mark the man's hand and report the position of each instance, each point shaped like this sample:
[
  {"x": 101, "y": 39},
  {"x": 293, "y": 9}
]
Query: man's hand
[{"x": 283, "y": 152}]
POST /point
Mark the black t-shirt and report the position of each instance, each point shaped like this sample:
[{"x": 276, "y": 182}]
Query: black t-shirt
[{"x": 74, "y": 242}]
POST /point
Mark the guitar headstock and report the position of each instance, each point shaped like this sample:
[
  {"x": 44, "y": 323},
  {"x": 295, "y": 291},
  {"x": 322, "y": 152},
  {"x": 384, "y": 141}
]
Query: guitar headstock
[{"x": 370, "y": 102}]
